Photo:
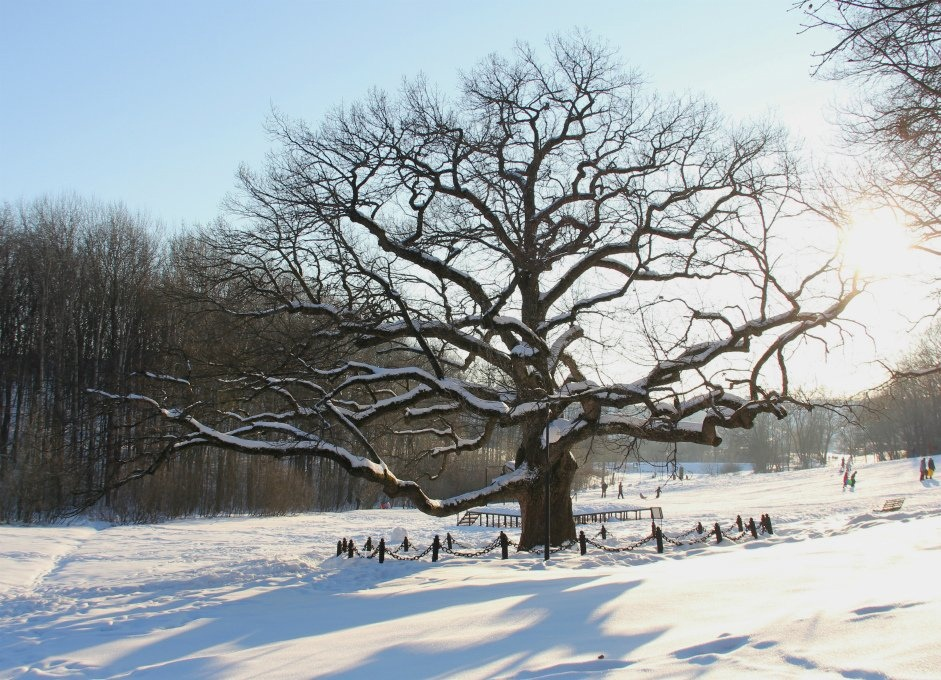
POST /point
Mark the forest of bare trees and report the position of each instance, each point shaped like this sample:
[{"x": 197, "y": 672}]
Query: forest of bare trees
[{"x": 91, "y": 295}]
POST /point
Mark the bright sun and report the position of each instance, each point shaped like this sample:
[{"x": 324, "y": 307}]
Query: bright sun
[{"x": 877, "y": 246}]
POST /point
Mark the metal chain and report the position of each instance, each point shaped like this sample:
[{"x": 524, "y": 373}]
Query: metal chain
[
  {"x": 541, "y": 549},
  {"x": 482, "y": 551},
  {"x": 409, "y": 559},
  {"x": 735, "y": 539},
  {"x": 607, "y": 548},
  {"x": 411, "y": 546},
  {"x": 705, "y": 538},
  {"x": 369, "y": 556}
]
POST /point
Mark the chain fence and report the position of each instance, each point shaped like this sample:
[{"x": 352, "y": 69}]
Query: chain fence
[{"x": 695, "y": 536}]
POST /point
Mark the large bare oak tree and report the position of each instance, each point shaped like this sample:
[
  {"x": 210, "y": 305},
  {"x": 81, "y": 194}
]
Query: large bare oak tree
[{"x": 555, "y": 252}]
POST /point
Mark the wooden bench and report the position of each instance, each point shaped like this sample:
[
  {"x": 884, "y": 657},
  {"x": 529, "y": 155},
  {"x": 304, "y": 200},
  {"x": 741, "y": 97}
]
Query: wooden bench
[
  {"x": 490, "y": 519},
  {"x": 891, "y": 505},
  {"x": 512, "y": 519}
]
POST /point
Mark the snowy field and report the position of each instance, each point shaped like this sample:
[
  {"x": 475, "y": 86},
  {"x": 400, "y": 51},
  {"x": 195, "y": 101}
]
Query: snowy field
[{"x": 837, "y": 591}]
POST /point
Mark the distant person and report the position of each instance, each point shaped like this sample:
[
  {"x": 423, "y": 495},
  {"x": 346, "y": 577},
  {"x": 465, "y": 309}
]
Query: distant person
[
  {"x": 853, "y": 481},
  {"x": 931, "y": 468},
  {"x": 842, "y": 464},
  {"x": 620, "y": 490},
  {"x": 846, "y": 479},
  {"x": 922, "y": 470},
  {"x": 658, "y": 492},
  {"x": 604, "y": 489}
]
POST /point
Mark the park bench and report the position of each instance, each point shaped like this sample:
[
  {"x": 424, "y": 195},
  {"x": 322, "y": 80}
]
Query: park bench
[
  {"x": 484, "y": 518},
  {"x": 512, "y": 519},
  {"x": 891, "y": 505}
]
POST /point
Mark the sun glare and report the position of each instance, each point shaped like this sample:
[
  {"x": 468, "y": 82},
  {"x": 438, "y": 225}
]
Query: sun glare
[{"x": 876, "y": 245}]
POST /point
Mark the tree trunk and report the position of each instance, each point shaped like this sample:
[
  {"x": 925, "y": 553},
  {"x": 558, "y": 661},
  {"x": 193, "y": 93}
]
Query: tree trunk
[{"x": 533, "y": 506}]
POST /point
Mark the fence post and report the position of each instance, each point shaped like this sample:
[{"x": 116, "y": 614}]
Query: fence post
[
  {"x": 435, "y": 547},
  {"x": 604, "y": 532},
  {"x": 350, "y": 548},
  {"x": 582, "y": 542},
  {"x": 768, "y": 524},
  {"x": 738, "y": 521},
  {"x": 344, "y": 545},
  {"x": 339, "y": 548},
  {"x": 368, "y": 545},
  {"x": 405, "y": 544},
  {"x": 449, "y": 540},
  {"x": 718, "y": 530},
  {"x": 382, "y": 550},
  {"x": 699, "y": 528},
  {"x": 752, "y": 528},
  {"x": 653, "y": 528},
  {"x": 659, "y": 534},
  {"x": 504, "y": 546}
]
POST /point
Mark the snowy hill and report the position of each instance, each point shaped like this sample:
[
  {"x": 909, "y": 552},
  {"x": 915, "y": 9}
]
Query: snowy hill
[{"x": 838, "y": 591}]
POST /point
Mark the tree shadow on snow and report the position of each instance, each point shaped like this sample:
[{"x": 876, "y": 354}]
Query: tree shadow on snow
[{"x": 201, "y": 632}]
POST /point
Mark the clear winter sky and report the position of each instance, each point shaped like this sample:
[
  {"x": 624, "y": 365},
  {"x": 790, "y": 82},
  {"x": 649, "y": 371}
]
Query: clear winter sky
[{"x": 155, "y": 104}]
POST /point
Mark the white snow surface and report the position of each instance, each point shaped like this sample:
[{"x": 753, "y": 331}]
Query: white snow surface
[{"x": 839, "y": 590}]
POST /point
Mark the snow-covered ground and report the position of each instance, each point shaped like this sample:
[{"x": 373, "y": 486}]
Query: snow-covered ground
[{"x": 837, "y": 591}]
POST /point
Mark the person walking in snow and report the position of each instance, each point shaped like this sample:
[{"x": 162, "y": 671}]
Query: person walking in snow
[
  {"x": 658, "y": 492},
  {"x": 842, "y": 464},
  {"x": 931, "y": 468},
  {"x": 620, "y": 490},
  {"x": 922, "y": 470},
  {"x": 846, "y": 479},
  {"x": 853, "y": 481},
  {"x": 604, "y": 488}
]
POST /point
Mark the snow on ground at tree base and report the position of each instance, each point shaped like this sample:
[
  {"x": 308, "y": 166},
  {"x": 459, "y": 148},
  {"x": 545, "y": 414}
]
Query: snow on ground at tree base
[{"x": 837, "y": 591}]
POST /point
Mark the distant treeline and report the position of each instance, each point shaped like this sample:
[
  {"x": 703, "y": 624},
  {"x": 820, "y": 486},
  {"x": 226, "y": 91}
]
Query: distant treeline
[{"x": 92, "y": 296}]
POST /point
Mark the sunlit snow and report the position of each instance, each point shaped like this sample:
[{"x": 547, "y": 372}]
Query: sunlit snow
[{"x": 839, "y": 590}]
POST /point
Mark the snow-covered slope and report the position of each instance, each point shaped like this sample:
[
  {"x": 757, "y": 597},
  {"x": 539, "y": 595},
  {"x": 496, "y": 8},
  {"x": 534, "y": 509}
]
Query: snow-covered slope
[{"x": 838, "y": 591}]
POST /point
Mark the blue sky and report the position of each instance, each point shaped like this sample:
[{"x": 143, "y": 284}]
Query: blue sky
[{"x": 156, "y": 104}]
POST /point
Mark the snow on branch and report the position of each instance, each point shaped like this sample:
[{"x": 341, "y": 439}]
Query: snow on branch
[{"x": 164, "y": 378}]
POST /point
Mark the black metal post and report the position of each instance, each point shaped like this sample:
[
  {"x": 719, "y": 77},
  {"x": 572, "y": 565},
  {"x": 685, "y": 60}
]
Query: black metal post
[
  {"x": 435, "y": 547},
  {"x": 582, "y": 541},
  {"x": 504, "y": 546},
  {"x": 548, "y": 473}
]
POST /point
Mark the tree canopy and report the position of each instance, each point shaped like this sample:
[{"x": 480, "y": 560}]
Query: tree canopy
[
  {"x": 554, "y": 251},
  {"x": 890, "y": 49}
]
